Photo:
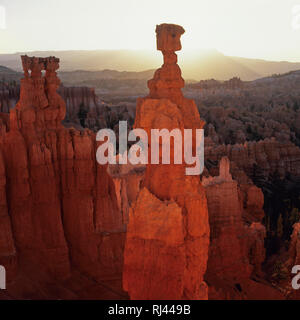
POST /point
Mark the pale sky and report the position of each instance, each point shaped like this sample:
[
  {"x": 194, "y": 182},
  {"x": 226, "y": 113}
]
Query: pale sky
[{"x": 246, "y": 28}]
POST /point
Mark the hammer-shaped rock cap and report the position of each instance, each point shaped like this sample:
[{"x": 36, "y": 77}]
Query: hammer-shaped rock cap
[{"x": 168, "y": 37}]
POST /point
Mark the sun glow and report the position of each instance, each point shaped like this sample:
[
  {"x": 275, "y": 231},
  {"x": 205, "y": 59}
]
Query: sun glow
[{"x": 256, "y": 28}]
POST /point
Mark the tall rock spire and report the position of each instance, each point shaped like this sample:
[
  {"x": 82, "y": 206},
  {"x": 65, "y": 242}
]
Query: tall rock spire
[
  {"x": 167, "y": 81},
  {"x": 40, "y": 106},
  {"x": 167, "y": 240}
]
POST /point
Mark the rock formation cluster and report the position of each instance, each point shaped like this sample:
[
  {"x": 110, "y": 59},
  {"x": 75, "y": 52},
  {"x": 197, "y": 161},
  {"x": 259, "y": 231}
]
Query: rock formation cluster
[
  {"x": 170, "y": 235},
  {"x": 270, "y": 155},
  {"x": 58, "y": 207}
]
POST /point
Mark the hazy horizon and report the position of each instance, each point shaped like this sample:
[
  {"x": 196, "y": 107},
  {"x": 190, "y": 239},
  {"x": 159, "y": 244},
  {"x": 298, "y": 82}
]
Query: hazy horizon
[
  {"x": 257, "y": 29},
  {"x": 190, "y": 51}
]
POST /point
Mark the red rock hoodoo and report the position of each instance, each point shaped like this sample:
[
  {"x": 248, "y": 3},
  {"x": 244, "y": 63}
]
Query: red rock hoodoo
[
  {"x": 62, "y": 205},
  {"x": 167, "y": 238},
  {"x": 236, "y": 249}
]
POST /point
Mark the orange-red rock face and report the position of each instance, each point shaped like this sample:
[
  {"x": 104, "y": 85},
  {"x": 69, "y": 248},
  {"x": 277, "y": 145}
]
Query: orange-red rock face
[
  {"x": 228, "y": 243},
  {"x": 228, "y": 252},
  {"x": 236, "y": 250},
  {"x": 167, "y": 240},
  {"x": 154, "y": 243},
  {"x": 62, "y": 206},
  {"x": 8, "y": 256}
]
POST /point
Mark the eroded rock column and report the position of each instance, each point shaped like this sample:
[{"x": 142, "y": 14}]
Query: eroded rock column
[
  {"x": 61, "y": 203},
  {"x": 167, "y": 240}
]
